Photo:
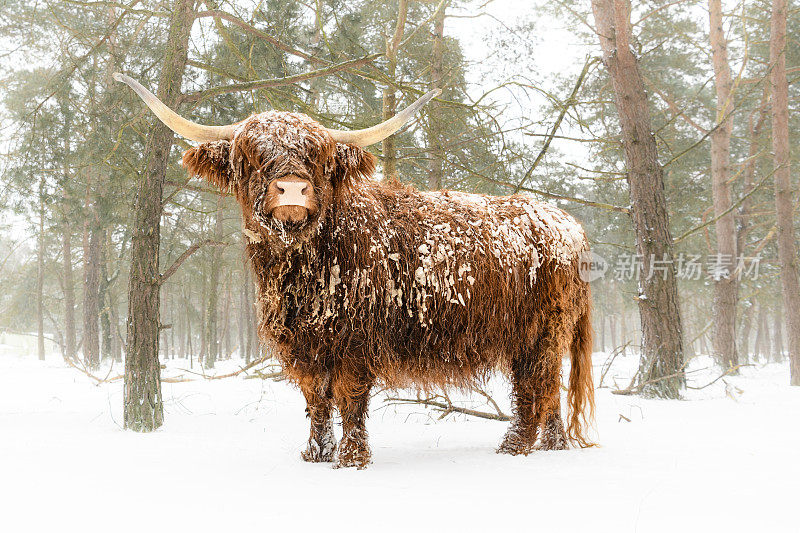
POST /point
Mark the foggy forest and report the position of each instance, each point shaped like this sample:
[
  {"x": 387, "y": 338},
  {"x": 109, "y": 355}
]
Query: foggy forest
[{"x": 517, "y": 263}]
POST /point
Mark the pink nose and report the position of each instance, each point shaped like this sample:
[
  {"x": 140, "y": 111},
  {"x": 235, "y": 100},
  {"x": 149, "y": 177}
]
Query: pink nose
[{"x": 292, "y": 193}]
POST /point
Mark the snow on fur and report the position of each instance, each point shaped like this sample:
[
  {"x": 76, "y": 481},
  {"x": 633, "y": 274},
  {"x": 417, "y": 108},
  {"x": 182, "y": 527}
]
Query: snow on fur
[{"x": 385, "y": 284}]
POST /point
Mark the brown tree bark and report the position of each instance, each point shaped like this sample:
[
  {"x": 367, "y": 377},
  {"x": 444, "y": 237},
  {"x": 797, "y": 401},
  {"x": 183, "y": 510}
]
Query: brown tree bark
[
  {"x": 203, "y": 322},
  {"x": 784, "y": 210},
  {"x": 143, "y": 407},
  {"x": 744, "y": 333},
  {"x": 69, "y": 294},
  {"x": 106, "y": 333},
  {"x": 389, "y": 97},
  {"x": 436, "y": 164},
  {"x": 726, "y": 288},
  {"x": 40, "y": 276},
  {"x": 249, "y": 322},
  {"x": 212, "y": 310},
  {"x": 758, "y": 348},
  {"x": 661, "y": 366},
  {"x": 767, "y": 335},
  {"x": 91, "y": 292},
  {"x": 755, "y": 124},
  {"x": 66, "y": 242},
  {"x": 777, "y": 345}
]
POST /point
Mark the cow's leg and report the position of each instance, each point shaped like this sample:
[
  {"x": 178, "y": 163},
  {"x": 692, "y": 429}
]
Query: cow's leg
[
  {"x": 521, "y": 434},
  {"x": 319, "y": 406},
  {"x": 553, "y": 343},
  {"x": 352, "y": 399}
]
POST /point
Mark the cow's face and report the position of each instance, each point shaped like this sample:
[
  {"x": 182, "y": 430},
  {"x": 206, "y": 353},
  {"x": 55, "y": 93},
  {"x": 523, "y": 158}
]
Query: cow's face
[{"x": 285, "y": 170}]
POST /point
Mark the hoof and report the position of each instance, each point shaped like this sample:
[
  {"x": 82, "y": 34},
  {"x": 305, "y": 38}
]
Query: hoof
[
  {"x": 514, "y": 449},
  {"x": 558, "y": 443},
  {"x": 320, "y": 453},
  {"x": 353, "y": 453},
  {"x": 515, "y": 444},
  {"x": 553, "y": 436}
]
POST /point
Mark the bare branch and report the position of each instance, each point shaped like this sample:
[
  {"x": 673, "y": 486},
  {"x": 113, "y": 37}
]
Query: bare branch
[
  {"x": 185, "y": 255},
  {"x": 570, "y": 101},
  {"x": 276, "y": 82}
]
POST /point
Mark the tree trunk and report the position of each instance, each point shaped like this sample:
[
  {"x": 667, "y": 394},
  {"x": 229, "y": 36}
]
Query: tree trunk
[
  {"x": 225, "y": 316},
  {"x": 40, "y": 276},
  {"x": 767, "y": 336},
  {"x": 105, "y": 307},
  {"x": 602, "y": 319},
  {"x": 436, "y": 165},
  {"x": 189, "y": 347},
  {"x": 144, "y": 410},
  {"x": 212, "y": 311},
  {"x": 248, "y": 310},
  {"x": 787, "y": 252},
  {"x": 389, "y": 96},
  {"x": 66, "y": 243},
  {"x": 184, "y": 312},
  {"x": 203, "y": 308},
  {"x": 661, "y": 366},
  {"x": 747, "y": 324},
  {"x": 726, "y": 288},
  {"x": 69, "y": 295},
  {"x": 777, "y": 345},
  {"x": 118, "y": 341},
  {"x": 758, "y": 349},
  {"x": 91, "y": 293},
  {"x": 755, "y": 123},
  {"x": 612, "y": 324}
]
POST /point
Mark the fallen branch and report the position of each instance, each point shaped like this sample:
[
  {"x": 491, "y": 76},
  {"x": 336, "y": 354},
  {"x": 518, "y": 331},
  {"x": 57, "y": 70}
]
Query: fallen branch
[
  {"x": 638, "y": 388},
  {"x": 728, "y": 372},
  {"x": 82, "y": 368},
  {"x": 491, "y": 401},
  {"x": 618, "y": 350},
  {"x": 449, "y": 408},
  {"x": 231, "y": 374}
]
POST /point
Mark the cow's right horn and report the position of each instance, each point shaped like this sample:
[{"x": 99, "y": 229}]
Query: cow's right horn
[
  {"x": 379, "y": 132},
  {"x": 175, "y": 122}
]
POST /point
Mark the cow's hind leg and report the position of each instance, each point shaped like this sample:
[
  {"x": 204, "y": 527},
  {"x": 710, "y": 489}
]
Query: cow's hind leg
[
  {"x": 352, "y": 399},
  {"x": 552, "y": 345},
  {"x": 521, "y": 434},
  {"x": 319, "y": 406}
]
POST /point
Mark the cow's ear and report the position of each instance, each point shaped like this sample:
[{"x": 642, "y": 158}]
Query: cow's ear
[
  {"x": 352, "y": 164},
  {"x": 210, "y": 161}
]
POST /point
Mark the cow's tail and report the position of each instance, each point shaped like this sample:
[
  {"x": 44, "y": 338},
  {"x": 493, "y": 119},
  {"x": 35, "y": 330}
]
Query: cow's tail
[{"x": 580, "y": 395}]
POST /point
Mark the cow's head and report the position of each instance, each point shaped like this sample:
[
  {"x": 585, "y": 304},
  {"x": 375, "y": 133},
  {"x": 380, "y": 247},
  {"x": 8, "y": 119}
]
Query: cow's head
[{"x": 284, "y": 168}]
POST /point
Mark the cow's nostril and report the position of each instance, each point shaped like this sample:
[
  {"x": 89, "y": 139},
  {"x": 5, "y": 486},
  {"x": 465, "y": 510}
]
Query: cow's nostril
[
  {"x": 280, "y": 189},
  {"x": 304, "y": 190}
]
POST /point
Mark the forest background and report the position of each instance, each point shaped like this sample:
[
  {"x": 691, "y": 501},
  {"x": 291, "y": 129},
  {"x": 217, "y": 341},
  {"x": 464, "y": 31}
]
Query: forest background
[{"x": 530, "y": 103}]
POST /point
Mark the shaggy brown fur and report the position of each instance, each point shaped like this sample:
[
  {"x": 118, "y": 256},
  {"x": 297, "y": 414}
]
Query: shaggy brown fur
[{"x": 387, "y": 284}]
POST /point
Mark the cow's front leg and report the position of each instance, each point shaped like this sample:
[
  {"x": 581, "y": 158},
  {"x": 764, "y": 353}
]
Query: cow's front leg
[
  {"x": 352, "y": 399},
  {"x": 319, "y": 406}
]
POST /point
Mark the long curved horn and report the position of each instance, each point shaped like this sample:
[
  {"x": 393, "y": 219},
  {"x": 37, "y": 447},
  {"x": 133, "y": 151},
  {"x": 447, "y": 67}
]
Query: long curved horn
[
  {"x": 380, "y": 131},
  {"x": 175, "y": 122}
]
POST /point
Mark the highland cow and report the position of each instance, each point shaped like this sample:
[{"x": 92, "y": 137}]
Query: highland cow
[{"x": 363, "y": 282}]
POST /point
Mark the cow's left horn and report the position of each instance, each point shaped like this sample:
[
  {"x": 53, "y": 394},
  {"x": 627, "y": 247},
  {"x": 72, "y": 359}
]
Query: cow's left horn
[
  {"x": 380, "y": 131},
  {"x": 175, "y": 122}
]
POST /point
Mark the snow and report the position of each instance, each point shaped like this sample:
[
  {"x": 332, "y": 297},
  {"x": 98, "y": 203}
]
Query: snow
[{"x": 228, "y": 459}]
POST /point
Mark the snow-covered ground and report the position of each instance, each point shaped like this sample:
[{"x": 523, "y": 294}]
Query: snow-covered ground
[{"x": 228, "y": 459}]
